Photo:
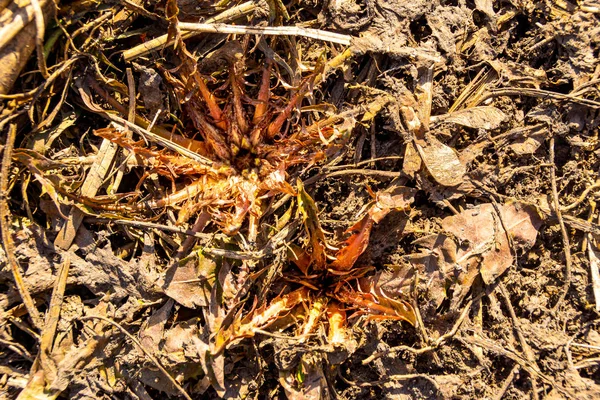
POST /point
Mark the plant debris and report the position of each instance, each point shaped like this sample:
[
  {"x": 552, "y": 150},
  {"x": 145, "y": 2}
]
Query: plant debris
[{"x": 302, "y": 200}]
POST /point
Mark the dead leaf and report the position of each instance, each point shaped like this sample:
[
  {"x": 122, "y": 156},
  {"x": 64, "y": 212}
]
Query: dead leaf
[
  {"x": 482, "y": 117},
  {"x": 482, "y": 229},
  {"x": 483, "y": 248},
  {"x": 151, "y": 334},
  {"x": 527, "y": 144},
  {"x": 518, "y": 74},
  {"x": 189, "y": 281},
  {"x": 179, "y": 344},
  {"x": 412, "y": 160},
  {"x": 441, "y": 161},
  {"x": 355, "y": 245},
  {"x": 488, "y": 251},
  {"x": 486, "y": 7},
  {"x": 150, "y": 90},
  {"x": 396, "y": 280}
]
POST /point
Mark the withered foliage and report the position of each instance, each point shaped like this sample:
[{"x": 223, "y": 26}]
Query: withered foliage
[{"x": 302, "y": 200}]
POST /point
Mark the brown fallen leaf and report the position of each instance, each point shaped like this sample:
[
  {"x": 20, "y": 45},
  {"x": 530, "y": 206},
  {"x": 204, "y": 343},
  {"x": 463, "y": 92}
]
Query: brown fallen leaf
[
  {"x": 483, "y": 230},
  {"x": 528, "y": 144},
  {"x": 189, "y": 281},
  {"x": 482, "y": 117},
  {"x": 412, "y": 161},
  {"x": 442, "y": 161},
  {"x": 153, "y": 330},
  {"x": 479, "y": 247}
]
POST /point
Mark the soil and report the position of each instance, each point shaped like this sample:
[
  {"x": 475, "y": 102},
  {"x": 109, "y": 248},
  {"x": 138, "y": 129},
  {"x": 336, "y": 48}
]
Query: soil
[{"x": 445, "y": 205}]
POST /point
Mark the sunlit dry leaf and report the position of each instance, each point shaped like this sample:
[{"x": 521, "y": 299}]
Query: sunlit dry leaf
[
  {"x": 424, "y": 95},
  {"x": 519, "y": 74},
  {"x": 481, "y": 228},
  {"x": 152, "y": 332},
  {"x": 394, "y": 306},
  {"x": 261, "y": 318},
  {"x": 397, "y": 198},
  {"x": 355, "y": 245},
  {"x": 481, "y": 117},
  {"x": 441, "y": 161},
  {"x": 36, "y": 389},
  {"x": 527, "y": 144},
  {"x": 179, "y": 342},
  {"x": 189, "y": 281},
  {"x": 483, "y": 248},
  {"x": 486, "y": 7},
  {"x": 336, "y": 316},
  {"x": 394, "y": 281}
]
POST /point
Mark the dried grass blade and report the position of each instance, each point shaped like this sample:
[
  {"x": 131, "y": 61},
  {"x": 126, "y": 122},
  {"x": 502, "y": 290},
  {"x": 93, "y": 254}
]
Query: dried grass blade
[
  {"x": 7, "y": 240},
  {"x": 40, "y": 28},
  {"x": 471, "y": 94},
  {"x": 156, "y": 43},
  {"x": 268, "y": 30},
  {"x": 52, "y": 317}
]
